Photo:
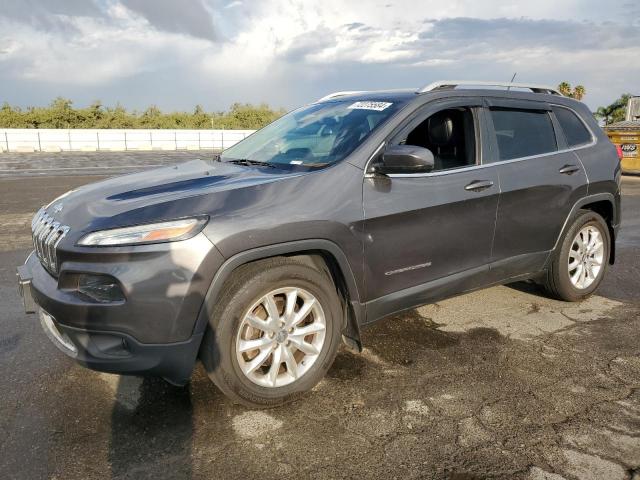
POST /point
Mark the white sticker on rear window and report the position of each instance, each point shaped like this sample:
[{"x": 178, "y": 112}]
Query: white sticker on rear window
[{"x": 377, "y": 106}]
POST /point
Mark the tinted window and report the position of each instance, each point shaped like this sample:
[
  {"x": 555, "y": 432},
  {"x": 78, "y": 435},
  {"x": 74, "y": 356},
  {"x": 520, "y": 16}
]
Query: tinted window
[
  {"x": 522, "y": 133},
  {"x": 574, "y": 130}
]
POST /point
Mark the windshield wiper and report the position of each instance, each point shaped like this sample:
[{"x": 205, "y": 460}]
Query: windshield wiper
[{"x": 250, "y": 163}]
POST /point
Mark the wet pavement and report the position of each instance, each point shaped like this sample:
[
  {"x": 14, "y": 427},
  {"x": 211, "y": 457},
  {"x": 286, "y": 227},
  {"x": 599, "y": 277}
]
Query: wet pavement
[
  {"x": 503, "y": 383},
  {"x": 88, "y": 163}
]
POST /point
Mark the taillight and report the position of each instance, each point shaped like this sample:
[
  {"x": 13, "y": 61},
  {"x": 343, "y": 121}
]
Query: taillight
[{"x": 619, "y": 150}]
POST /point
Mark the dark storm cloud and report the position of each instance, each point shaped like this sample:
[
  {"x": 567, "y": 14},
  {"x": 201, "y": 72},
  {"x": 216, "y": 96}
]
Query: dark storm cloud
[
  {"x": 27, "y": 9},
  {"x": 309, "y": 43},
  {"x": 44, "y": 14},
  {"x": 523, "y": 33},
  {"x": 461, "y": 39},
  {"x": 189, "y": 17}
]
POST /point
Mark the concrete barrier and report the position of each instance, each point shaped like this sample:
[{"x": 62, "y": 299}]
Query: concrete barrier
[{"x": 85, "y": 140}]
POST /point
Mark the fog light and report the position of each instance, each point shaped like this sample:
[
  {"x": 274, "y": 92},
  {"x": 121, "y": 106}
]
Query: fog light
[{"x": 100, "y": 288}]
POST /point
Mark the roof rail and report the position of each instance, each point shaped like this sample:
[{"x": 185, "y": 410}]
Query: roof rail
[
  {"x": 339, "y": 94},
  {"x": 451, "y": 84}
]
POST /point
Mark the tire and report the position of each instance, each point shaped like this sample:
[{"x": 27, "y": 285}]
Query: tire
[
  {"x": 558, "y": 281},
  {"x": 229, "y": 330}
]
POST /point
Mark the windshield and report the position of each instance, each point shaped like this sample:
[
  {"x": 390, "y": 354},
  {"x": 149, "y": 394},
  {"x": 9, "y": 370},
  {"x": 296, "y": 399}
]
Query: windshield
[{"x": 313, "y": 136}]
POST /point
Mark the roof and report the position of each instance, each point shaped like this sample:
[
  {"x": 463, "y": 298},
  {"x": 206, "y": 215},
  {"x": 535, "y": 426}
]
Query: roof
[
  {"x": 625, "y": 125},
  {"x": 444, "y": 86},
  {"x": 410, "y": 94}
]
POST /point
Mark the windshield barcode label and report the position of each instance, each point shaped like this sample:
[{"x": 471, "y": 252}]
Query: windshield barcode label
[{"x": 378, "y": 106}]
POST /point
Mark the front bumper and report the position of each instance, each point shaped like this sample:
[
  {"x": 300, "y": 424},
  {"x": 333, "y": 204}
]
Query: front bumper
[
  {"x": 122, "y": 354},
  {"x": 151, "y": 332}
]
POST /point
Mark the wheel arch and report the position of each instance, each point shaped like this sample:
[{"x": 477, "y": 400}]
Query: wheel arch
[
  {"x": 604, "y": 205},
  {"x": 320, "y": 253}
]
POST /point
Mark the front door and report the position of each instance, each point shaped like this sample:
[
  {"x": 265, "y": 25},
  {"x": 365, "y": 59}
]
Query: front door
[{"x": 430, "y": 234}]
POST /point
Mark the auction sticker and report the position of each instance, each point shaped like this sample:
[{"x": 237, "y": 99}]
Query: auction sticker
[{"x": 377, "y": 106}]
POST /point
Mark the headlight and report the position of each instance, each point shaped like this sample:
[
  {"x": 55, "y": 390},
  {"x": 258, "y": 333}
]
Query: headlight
[{"x": 150, "y": 233}]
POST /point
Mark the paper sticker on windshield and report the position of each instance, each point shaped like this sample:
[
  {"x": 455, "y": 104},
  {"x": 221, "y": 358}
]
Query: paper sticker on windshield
[{"x": 377, "y": 106}]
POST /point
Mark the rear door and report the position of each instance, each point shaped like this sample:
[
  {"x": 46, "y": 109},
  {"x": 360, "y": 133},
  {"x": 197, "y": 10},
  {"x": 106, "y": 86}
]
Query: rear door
[{"x": 540, "y": 178}]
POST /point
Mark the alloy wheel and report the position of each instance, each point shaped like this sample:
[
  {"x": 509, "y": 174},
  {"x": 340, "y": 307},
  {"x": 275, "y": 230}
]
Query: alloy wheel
[
  {"x": 586, "y": 257},
  {"x": 280, "y": 337}
]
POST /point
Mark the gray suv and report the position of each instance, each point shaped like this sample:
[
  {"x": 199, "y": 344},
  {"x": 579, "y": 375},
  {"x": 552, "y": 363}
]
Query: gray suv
[{"x": 363, "y": 204}]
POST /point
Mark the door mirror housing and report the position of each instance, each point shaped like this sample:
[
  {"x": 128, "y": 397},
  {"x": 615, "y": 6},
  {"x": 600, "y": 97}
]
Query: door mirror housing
[{"x": 405, "y": 159}]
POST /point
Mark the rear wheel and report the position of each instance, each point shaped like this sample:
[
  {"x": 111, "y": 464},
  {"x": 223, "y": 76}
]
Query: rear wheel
[
  {"x": 274, "y": 333},
  {"x": 579, "y": 264}
]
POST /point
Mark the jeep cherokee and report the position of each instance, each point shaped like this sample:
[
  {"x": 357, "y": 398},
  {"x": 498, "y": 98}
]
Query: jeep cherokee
[{"x": 262, "y": 261}]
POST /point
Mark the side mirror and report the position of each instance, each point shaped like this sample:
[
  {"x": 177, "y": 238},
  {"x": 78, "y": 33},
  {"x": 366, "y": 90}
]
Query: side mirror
[{"x": 405, "y": 159}]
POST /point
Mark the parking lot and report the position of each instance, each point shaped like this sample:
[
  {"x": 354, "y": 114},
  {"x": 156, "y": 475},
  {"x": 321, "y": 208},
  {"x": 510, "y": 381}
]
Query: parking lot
[{"x": 502, "y": 383}]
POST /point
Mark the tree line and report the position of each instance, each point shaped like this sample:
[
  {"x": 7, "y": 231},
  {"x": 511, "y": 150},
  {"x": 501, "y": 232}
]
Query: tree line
[
  {"x": 62, "y": 114},
  {"x": 616, "y": 112}
]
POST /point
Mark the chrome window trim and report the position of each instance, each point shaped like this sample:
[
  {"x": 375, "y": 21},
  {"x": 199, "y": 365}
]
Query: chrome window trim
[
  {"x": 500, "y": 162},
  {"x": 440, "y": 173},
  {"x": 594, "y": 141}
]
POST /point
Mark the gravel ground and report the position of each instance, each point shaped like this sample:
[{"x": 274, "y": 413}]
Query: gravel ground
[{"x": 503, "y": 383}]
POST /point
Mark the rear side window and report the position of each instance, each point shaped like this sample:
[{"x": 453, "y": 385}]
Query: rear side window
[
  {"x": 574, "y": 130},
  {"x": 522, "y": 133}
]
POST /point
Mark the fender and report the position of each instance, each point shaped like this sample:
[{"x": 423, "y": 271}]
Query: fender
[
  {"x": 287, "y": 248},
  {"x": 598, "y": 197}
]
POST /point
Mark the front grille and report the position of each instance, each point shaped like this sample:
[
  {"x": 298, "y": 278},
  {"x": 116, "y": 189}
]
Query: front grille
[{"x": 47, "y": 234}]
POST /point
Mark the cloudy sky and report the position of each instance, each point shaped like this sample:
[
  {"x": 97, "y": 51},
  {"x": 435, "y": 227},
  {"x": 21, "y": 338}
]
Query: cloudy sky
[{"x": 179, "y": 53}]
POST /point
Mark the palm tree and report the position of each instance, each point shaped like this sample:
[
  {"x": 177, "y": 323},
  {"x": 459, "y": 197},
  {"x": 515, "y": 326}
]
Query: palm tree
[
  {"x": 614, "y": 112},
  {"x": 578, "y": 92},
  {"x": 565, "y": 89}
]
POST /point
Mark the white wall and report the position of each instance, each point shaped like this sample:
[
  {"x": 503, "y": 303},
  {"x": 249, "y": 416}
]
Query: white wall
[{"x": 56, "y": 140}]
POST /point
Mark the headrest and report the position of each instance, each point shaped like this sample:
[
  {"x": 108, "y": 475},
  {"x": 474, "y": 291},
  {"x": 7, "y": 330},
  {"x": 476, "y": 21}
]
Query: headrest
[{"x": 440, "y": 129}]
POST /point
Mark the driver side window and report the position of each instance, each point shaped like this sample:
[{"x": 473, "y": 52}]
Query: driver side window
[{"x": 449, "y": 134}]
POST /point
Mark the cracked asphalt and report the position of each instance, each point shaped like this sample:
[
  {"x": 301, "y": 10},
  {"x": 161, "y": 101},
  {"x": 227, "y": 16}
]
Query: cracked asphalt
[{"x": 504, "y": 383}]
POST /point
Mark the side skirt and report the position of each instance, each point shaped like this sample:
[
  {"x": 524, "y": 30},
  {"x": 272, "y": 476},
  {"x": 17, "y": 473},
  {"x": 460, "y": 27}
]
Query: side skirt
[{"x": 498, "y": 273}]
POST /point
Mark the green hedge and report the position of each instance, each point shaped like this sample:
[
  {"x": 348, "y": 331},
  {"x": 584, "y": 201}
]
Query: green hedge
[{"x": 62, "y": 114}]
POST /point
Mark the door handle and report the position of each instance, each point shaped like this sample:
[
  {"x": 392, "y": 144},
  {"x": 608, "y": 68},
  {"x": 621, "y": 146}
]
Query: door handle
[
  {"x": 569, "y": 169},
  {"x": 479, "y": 185}
]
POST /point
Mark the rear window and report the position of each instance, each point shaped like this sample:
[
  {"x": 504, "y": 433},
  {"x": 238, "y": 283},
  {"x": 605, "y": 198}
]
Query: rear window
[
  {"x": 574, "y": 130},
  {"x": 523, "y": 133}
]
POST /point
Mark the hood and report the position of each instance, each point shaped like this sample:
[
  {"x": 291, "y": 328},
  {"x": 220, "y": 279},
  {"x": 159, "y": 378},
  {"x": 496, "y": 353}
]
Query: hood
[{"x": 155, "y": 195}]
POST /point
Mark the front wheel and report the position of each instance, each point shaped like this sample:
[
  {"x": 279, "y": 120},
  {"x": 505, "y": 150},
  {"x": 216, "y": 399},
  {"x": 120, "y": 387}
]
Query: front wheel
[
  {"x": 274, "y": 333},
  {"x": 579, "y": 263}
]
